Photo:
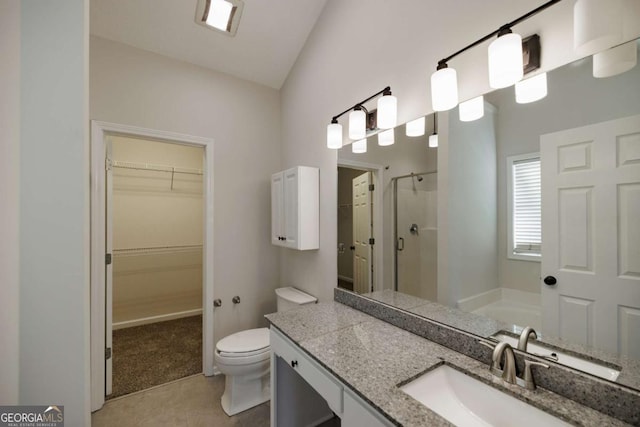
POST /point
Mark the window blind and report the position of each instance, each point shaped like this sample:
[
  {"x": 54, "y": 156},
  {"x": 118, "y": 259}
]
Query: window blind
[{"x": 527, "y": 222}]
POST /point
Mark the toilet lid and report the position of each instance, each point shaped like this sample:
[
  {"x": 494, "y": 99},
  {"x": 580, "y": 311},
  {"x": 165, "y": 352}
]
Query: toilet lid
[{"x": 245, "y": 341}]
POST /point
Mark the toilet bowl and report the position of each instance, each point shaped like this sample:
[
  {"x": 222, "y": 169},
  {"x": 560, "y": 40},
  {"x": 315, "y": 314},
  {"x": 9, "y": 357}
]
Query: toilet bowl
[{"x": 245, "y": 357}]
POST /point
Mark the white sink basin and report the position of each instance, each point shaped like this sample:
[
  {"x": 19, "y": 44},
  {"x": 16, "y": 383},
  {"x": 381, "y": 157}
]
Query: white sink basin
[
  {"x": 465, "y": 401},
  {"x": 588, "y": 366}
]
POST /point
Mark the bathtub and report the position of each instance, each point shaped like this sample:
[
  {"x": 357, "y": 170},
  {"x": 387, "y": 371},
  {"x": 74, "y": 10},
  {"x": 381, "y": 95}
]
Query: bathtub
[{"x": 507, "y": 305}]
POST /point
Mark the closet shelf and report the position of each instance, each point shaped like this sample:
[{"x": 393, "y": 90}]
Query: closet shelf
[
  {"x": 156, "y": 249},
  {"x": 155, "y": 167}
]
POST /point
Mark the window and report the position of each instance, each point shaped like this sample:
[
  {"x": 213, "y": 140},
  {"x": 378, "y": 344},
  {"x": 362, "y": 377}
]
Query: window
[
  {"x": 220, "y": 15},
  {"x": 524, "y": 207}
]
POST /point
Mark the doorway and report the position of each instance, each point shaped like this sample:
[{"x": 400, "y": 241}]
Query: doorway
[
  {"x": 151, "y": 258},
  {"x": 155, "y": 227}
]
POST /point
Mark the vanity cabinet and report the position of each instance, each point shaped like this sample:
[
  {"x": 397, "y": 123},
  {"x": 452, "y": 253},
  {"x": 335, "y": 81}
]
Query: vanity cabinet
[
  {"x": 295, "y": 208},
  {"x": 320, "y": 395}
]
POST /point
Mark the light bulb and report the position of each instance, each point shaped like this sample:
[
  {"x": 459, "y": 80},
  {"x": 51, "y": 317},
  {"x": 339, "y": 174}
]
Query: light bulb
[
  {"x": 359, "y": 147},
  {"x": 386, "y": 137},
  {"x": 531, "y": 89},
  {"x": 357, "y": 127},
  {"x": 597, "y": 25},
  {"x": 505, "y": 61},
  {"x": 387, "y": 112},
  {"x": 433, "y": 141},
  {"x": 334, "y": 136},
  {"x": 444, "y": 89},
  {"x": 415, "y": 127},
  {"x": 616, "y": 60},
  {"x": 472, "y": 109}
]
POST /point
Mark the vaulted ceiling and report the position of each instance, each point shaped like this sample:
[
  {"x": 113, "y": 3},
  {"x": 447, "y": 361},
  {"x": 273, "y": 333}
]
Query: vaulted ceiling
[{"x": 270, "y": 36}]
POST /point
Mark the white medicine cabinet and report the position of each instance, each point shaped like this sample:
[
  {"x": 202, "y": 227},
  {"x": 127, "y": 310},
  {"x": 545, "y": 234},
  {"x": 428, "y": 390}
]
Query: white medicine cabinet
[{"x": 295, "y": 208}]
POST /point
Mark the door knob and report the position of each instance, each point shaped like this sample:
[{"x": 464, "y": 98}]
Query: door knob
[
  {"x": 353, "y": 248},
  {"x": 550, "y": 280}
]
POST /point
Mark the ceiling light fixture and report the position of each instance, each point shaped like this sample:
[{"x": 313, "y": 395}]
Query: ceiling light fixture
[
  {"x": 361, "y": 120},
  {"x": 415, "y": 127},
  {"x": 472, "y": 109},
  {"x": 531, "y": 89},
  {"x": 616, "y": 60},
  {"x": 433, "y": 138},
  {"x": 220, "y": 15},
  {"x": 503, "y": 69},
  {"x": 359, "y": 147}
]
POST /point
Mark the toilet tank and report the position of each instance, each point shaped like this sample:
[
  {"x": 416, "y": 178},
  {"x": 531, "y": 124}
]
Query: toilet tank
[{"x": 290, "y": 298}]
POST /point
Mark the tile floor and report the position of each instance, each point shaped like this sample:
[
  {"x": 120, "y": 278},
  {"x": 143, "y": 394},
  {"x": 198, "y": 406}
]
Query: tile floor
[{"x": 192, "y": 401}]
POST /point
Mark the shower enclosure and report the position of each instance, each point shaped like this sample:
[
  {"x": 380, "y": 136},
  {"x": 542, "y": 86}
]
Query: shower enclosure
[{"x": 416, "y": 234}]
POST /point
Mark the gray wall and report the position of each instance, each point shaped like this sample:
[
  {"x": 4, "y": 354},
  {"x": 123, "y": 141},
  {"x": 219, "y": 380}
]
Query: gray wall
[
  {"x": 9, "y": 210},
  {"x": 54, "y": 207},
  {"x": 575, "y": 99},
  {"x": 135, "y": 87}
]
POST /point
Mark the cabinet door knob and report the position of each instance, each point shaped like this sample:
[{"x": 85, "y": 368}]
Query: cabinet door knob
[
  {"x": 294, "y": 363},
  {"x": 550, "y": 280}
]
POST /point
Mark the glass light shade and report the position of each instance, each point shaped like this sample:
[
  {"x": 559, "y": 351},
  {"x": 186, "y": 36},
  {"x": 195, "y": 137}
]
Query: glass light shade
[
  {"x": 531, "y": 89},
  {"x": 219, "y": 14},
  {"x": 387, "y": 112},
  {"x": 433, "y": 141},
  {"x": 472, "y": 109},
  {"x": 415, "y": 127},
  {"x": 597, "y": 25},
  {"x": 444, "y": 89},
  {"x": 386, "y": 137},
  {"x": 357, "y": 126},
  {"x": 359, "y": 147},
  {"x": 505, "y": 61},
  {"x": 334, "y": 136},
  {"x": 616, "y": 60}
]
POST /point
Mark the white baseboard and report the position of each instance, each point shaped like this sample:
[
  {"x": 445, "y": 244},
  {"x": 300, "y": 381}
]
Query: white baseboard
[
  {"x": 156, "y": 319},
  {"x": 345, "y": 278}
]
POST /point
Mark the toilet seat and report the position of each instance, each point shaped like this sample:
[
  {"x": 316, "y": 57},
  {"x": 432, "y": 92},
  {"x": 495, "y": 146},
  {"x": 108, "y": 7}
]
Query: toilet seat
[{"x": 244, "y": 343}]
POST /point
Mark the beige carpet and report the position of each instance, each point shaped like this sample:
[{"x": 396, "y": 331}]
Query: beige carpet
[{"x": 149, "y": 355}]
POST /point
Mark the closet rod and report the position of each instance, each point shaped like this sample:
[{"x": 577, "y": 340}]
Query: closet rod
[
  {"x": 156, "y": 168},
  {"x": 155, "y": 248}
]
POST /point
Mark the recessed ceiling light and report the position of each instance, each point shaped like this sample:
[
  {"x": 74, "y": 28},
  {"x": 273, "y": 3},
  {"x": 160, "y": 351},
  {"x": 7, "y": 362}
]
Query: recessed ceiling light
[{"x": 220, "y": 15}]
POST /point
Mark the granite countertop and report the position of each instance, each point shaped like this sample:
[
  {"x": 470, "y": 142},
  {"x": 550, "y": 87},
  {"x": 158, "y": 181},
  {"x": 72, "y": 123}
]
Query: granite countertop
[
  {"x": 372, "y": 357},
  {"x": 484, "y": 326}
]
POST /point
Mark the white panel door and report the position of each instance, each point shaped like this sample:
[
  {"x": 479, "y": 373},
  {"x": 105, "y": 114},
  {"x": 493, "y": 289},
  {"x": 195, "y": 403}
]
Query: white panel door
[
  {"x": 290, "y": 228},
  {"x": 591, "y": 235},
  {"x": 362, "y": 233},
  {"x": 277, "y": 208}
]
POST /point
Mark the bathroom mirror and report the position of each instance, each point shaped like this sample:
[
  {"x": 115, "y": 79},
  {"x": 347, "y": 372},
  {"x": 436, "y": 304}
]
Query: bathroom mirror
[{"x": 489, "y": 280}]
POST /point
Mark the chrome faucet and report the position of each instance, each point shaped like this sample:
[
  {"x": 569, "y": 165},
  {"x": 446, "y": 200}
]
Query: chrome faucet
[
  {"x": 506, "y": 370},
  {"x": 524, "y": 338}
]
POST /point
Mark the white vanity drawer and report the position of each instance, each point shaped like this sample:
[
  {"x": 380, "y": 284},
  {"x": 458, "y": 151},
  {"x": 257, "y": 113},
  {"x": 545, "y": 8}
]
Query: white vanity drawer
[{"x": 308, "y": 369}]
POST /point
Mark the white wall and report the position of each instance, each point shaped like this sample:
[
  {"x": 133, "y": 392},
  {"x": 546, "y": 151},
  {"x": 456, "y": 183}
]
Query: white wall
[
  {"x": 575, "y": 99},
  {"x": 134, "y": 87},
  {"x": 471, "y": 208},
  {"x": 9, "y": 211},
  {"x": 360, "y": 46},
  {"x": 54, "y": 207}
]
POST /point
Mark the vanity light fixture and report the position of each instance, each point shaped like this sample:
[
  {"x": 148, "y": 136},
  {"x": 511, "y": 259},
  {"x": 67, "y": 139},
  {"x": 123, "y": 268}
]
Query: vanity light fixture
[
  {"x": 359, "y": 147},
  {"x": 472, "y": 109},
  {"x": 386, "y": 138},
  {"x": 220, "y": 15},
  {"x": 361, "y": 120},
  {"x": 415, "y": 127},
  {"x": 531, "y": 89},
  {"x": 505, "y": 59},
  {"x": 597, "y": 25},
  {"x": 433, "y": 138},
  {"x": 616, "y": 60},
  {"x": 334, "y": 135},
  {"x": 506, "y": 66}
]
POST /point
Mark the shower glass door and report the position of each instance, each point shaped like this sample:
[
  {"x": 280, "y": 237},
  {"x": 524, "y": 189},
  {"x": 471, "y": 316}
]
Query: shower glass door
[{"x": 416, "y": 235}]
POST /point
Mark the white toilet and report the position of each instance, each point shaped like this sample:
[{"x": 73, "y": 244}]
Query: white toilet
[{"x": 244, "y": 358}]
